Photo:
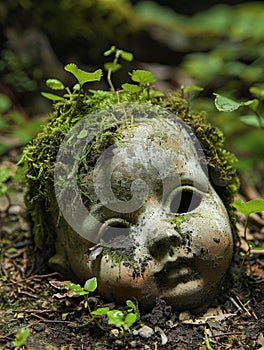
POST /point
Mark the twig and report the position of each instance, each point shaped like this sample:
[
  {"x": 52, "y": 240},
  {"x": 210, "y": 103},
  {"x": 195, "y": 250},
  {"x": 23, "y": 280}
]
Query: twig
[
  {"x": 32, "y": 278},
  {"x": 235, "y": 303},
  {"x": 223, "y": 334},
  {"x": 52, "y": 321},
  {"x": 244, "y": 306},
  {"x": 29, "y": 294}
]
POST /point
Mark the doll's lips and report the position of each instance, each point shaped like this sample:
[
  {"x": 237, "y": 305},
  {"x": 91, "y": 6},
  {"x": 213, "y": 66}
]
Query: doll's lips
[{"x": 178, "y": 271}]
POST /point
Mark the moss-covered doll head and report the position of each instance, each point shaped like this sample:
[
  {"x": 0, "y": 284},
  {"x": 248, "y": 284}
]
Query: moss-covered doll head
[{"x": 138, "y": 195}]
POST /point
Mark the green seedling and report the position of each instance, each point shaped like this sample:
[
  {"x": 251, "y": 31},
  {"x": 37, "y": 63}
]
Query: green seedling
[
  {"x": 118, "y": 318},
  {"x": 21, "y": 337},
  {"x": 225, "y": 104},
  {"x": 143, "y": 80},
  {"x": 82, "y": 78},
  {"x": 114, "y": 66},
  {"x": 247, "y": 208},
  {"x": 89, "y": 287},
  {"x": 121, "y": 319}
]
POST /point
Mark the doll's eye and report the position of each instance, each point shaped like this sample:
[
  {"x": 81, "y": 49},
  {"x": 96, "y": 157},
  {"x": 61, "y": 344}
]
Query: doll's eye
[
  {"x": 114, "y": 231},
  {"x": 185, "y": 200}
]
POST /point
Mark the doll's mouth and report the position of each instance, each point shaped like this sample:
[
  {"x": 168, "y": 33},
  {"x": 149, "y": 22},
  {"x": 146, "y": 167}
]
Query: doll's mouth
[{"x": 180, "y": 271}]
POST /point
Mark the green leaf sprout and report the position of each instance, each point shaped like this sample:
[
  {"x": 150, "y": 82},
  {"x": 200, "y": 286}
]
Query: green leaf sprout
[
  {"x": 121, "y": 319},
  {"x": 91, "y": 284},
  {"x": 142, "y": 77},
  {"x": 83, "y": 76},
  {"x": 55, "y": 84},
  {"x": 225, "y": 104},
  {"x": 247, "y": 208},
  {"x": 114, "y": 66},
  {"x": 21, "y": 337}
]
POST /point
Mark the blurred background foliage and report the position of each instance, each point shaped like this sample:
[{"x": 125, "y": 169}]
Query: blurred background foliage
[{"x": 217, "y": 46}]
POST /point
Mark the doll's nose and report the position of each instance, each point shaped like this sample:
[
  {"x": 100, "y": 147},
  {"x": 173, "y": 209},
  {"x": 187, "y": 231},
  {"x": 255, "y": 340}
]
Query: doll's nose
[{"x": 163, "y": 242}]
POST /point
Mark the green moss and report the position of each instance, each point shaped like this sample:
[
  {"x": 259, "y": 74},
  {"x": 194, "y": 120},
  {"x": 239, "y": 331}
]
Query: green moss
[
  {"x": 40, "y": 155},
  {"x": 119, "y": 256},
  {"x": 177, "y": 220}
]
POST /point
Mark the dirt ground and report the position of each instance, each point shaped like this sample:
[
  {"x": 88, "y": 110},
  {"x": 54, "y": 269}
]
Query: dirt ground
[{"x": 58, "y": 319}]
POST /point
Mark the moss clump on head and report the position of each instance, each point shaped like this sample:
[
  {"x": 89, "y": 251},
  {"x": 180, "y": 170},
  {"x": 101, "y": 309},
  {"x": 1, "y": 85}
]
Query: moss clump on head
[{"x": 40, "y": 155}]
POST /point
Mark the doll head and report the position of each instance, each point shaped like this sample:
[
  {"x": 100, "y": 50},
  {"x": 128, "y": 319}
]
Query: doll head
[{"x": 133, "y": 205}]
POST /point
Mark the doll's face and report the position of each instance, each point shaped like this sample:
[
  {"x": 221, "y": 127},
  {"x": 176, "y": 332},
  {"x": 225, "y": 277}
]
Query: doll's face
[{"x": 167, "y": 230}]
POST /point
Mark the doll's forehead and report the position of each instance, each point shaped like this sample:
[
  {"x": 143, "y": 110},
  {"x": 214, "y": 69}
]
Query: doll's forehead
[
  {"x": 158, "y": 134},
  {"x": 158, "y": 129},
  {"x": 158, "y": 148}
]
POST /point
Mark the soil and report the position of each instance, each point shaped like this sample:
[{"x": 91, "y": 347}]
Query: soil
[{"x": 39, "y": 300}]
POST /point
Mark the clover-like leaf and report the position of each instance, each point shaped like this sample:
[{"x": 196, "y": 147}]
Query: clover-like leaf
[
  {"x": 225, "y": 104},
  {"x": 129, "y": 320},
  {"x": 127, "y": 56},
  {"x": 115, "y": 317},
  {"x": 110, "y": 51},
  {"x": 100, "y": 311},
  {"x": 114, "y": 67},
  {"x": 83, "y": 76},
  {"x": 131, "y": 87},
  {"x": 91, "y": 284},
  {"x": 142, "y": 77},
  {"x": 76, "y": 288},
  {"x": 21, "y": 337},
  {"x": 55, "y": 84},
  {"x": 253, "y": 206}
]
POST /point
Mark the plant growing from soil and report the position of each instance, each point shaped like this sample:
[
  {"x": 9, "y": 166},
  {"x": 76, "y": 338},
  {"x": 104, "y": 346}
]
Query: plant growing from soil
[
  {"x": 21, "y": 337},
  {"x": 247, "y": 208},
  {"x": 121, "y": 319}
]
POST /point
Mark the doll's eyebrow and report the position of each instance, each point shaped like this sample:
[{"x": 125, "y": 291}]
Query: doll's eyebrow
[
  {"x": 199, "y": 185},
  {"x": 101, "y": 212},
  {"x": 170, "y": 184}
]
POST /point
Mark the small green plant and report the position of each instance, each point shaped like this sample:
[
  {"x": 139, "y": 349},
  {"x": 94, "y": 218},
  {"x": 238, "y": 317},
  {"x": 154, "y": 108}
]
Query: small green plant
[
  {"x": 247, "y": 208},
  {"x": 114, "y": 66},
  {"x": 21, "y": 337},
  {"x": 225, "y": 104},
  {"x": 82, "y": 78},
  {"x": 121, "y": 319},
  {"x": 141, "y": 79},
  {"x": 89, "y": 286}
]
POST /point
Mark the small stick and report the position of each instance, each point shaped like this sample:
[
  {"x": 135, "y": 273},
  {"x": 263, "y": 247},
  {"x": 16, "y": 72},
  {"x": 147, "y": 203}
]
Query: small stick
[{"x": 223, "y": 334}]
